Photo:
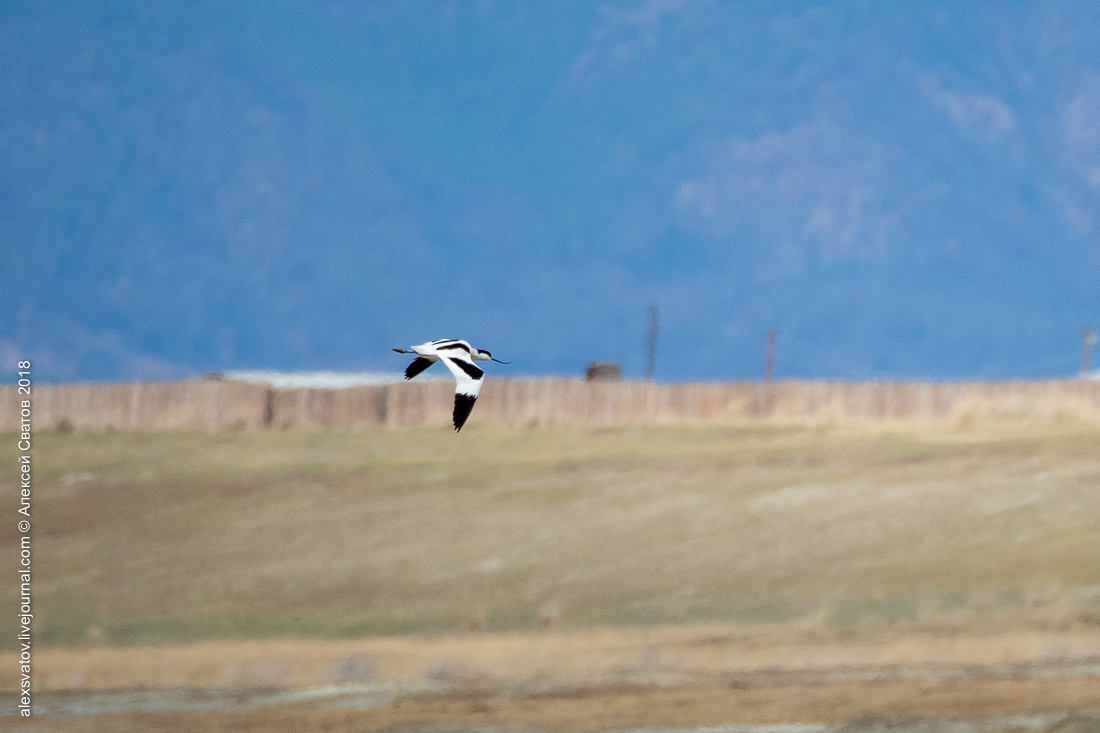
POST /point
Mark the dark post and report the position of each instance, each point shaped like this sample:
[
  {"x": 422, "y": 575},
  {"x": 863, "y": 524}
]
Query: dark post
[
  {"x": 768, "y": 403},
  {"x": 769, "y": 357},
  {"x": 651, "y": 351},
  {"x": 269, "y": 407},
  {"x": 1088, "y": 338}
]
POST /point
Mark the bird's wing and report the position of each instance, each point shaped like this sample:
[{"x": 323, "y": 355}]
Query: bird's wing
[
  {"x": 418, "y": 365},
  {"x": 451, "y": 346},
  {"x": 468, "y": 378}
]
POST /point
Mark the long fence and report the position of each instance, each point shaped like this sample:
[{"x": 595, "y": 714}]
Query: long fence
[{"x": 220, "y": 404}]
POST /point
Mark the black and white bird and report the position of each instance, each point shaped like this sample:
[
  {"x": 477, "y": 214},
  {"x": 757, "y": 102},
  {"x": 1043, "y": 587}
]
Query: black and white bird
[{"x": 459, "y": 357}]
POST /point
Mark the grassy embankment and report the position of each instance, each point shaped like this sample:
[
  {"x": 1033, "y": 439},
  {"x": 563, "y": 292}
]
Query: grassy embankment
[{"x": 150, "y": 537}]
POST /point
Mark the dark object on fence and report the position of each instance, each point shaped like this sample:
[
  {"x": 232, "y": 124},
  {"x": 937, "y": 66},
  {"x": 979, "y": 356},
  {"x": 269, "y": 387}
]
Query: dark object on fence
[
  {"x": 269, "y": 408},
  {"x": 609, "y": 371}
]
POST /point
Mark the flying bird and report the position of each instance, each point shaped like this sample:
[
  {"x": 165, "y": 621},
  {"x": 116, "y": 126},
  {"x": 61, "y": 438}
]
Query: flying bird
[{"x": 459, "y": 357}]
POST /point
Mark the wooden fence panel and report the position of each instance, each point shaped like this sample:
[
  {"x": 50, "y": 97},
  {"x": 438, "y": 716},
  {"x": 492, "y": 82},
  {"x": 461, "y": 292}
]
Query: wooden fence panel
[{"x": 218, "y": 404}]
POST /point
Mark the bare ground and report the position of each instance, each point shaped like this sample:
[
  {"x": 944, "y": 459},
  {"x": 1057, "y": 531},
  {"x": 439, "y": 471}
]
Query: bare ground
[{"x": 564, "y": 578}]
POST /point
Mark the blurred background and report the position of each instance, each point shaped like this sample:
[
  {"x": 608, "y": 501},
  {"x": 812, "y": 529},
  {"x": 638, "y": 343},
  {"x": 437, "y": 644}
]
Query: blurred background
[
  {"x": 869, "y": 193},
  {"x": 902, "y": 190}
]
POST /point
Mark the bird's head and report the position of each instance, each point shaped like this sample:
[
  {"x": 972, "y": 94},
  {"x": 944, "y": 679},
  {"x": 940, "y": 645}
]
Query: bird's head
[{"x": 483, "y": 355}]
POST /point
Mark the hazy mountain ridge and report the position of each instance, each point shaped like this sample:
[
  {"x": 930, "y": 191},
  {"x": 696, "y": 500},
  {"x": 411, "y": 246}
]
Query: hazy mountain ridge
[{"x": 902, "y": 194}]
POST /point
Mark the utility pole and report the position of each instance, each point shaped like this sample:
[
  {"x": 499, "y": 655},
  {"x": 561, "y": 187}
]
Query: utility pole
[
  {"x": 764, "y": 402},
  {"x": 1088, "y": 338},
  {"x": 769, "y": 357},
  {"x": 651, "y": 346}
]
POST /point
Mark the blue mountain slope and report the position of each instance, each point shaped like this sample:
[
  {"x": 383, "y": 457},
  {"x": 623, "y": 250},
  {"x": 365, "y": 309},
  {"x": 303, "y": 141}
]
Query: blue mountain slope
[{"x": 906, "y": 192}]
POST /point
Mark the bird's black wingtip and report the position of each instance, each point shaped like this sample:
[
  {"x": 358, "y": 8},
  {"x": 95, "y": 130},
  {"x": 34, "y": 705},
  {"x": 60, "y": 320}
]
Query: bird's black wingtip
[
  {"x": 418, "y": 365},
  {"x": 463, "y": 405}
]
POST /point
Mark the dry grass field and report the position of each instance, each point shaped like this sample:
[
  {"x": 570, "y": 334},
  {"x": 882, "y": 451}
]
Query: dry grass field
[{"x": 656, "y": 563}]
